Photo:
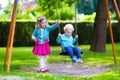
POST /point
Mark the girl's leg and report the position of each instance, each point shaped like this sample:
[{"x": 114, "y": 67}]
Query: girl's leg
[{"x": 42, "y": 61}]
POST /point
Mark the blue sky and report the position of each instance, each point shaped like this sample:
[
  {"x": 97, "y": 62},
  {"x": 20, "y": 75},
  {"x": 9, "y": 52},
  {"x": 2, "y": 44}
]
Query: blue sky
[{"x": 4, "y": 2}]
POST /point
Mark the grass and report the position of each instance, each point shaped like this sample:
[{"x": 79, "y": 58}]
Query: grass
[{"x": 23, "y": 57}]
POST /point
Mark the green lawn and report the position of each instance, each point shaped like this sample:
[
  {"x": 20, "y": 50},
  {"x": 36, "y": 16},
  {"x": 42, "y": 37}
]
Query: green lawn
[{"x": 22, "y": 56}]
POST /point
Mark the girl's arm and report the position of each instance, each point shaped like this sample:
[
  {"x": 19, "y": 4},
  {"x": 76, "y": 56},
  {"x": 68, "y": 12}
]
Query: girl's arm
[
  {"x": 34, "y": 36},
  {"x": 52, "y": 27}
]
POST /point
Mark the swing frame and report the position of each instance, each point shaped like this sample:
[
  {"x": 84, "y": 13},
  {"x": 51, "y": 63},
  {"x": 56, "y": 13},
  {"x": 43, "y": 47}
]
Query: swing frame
[{"x": 12, "y": 32}]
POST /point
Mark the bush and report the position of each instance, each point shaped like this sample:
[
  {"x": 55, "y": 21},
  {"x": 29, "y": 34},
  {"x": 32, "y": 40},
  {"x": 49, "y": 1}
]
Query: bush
[{"x": 24, "y": 31}]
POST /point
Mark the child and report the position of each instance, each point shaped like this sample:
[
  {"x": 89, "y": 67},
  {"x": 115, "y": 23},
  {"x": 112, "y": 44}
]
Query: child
[
  {"x": 41, "y": 38},
  {"x": 67, "y": 41}
]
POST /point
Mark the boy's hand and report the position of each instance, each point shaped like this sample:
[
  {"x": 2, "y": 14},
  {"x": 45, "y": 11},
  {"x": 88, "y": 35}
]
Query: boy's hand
[
  {"x": 76, "y": 36},
  {"x": 59, "y": 34}
]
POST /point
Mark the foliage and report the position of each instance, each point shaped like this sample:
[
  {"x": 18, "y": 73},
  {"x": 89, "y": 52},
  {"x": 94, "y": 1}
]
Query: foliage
[
  {"x": 24, "y": 31},
  {"x": 48, "y": 9},
  {"x": 87, "y": 6},
  {"x": 65, "y": 9},
  {"x": 22, "y": 57},
  {"x": 88, "y": 18}
]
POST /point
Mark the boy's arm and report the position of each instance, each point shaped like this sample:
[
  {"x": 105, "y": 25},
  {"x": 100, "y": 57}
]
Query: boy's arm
[
  {"x": 74, "y": 40},
  {"x": 58, "y": 40}
]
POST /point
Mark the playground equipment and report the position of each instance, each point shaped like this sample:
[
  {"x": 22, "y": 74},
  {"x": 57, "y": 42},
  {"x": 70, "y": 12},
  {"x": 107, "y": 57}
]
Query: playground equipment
[
  {"x": 9, "y": 47},
  {"x": 63, "y": 52}
]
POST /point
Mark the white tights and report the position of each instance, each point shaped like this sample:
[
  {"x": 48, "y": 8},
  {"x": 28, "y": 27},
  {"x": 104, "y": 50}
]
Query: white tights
[{"x": 42, "y": 61}]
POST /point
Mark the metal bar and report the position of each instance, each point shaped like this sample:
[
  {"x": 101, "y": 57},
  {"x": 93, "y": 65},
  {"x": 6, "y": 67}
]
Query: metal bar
[
  {"x": 57, "y": 15},
  {"x": 111, "y": 34},
  {"x": 13, "y": 23},
  {"x": 75, "y": 15},
  {"x": 8, "y": 46},
  {"x": 75, "y": 4},
  {"x": 116, "y": 9}
]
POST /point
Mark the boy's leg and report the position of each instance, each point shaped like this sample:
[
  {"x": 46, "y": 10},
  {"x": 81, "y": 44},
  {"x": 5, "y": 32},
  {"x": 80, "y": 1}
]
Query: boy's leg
[
  {"x": 77, "y": 51},
  {"x": 70, "y": 52},
  {"x": 78, "y": 54}
]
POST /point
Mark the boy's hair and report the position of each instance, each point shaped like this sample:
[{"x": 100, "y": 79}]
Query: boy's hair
[{"x": 69, "y": 26}]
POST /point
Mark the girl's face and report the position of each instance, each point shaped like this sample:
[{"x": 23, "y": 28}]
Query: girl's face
[
  {"x": 68, "y": 32},
  {"x": 42, "y": 24}
]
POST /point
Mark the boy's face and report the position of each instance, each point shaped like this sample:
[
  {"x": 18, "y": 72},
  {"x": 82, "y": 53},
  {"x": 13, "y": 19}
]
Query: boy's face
[{"x": 68, "y": 32}]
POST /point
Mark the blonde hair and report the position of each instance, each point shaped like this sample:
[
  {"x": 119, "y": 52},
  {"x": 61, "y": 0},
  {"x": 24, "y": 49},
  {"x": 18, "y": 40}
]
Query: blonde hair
[
  {"x": 68, "y": 26},
  {"x": 41, "y": 18}
]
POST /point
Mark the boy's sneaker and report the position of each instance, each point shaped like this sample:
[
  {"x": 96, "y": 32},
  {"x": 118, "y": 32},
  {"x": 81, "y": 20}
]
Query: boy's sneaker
[
  {"x": 74, "y": 60},
  {"x": 79, "y": 60}
]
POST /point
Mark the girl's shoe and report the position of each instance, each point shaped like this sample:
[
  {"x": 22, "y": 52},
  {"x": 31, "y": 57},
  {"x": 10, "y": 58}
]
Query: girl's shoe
[
  {"x": 46, "y": 69},
  {"x": 42, "y": 70}
]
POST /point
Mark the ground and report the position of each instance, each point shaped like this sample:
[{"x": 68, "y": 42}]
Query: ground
[{"x": 72, "y": 69}]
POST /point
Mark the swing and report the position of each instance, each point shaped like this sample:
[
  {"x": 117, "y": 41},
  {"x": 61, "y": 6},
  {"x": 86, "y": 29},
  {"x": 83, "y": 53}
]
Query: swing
[{"x": 63, "y": 52}]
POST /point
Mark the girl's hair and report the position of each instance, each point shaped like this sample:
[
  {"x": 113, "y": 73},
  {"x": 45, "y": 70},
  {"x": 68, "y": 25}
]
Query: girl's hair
[
  {"x": 40, "y": 19},
  {"x": 68, "y": 26}
]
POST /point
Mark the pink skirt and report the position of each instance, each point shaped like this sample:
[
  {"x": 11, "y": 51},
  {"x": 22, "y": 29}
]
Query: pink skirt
[{"x": 41, "y": 49}]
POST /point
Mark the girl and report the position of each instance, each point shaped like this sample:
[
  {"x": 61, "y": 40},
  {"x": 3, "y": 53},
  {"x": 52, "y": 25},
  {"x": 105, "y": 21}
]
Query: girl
[
  {"x": 67, "y": 41},
  {"x": 41, "y": 38}
]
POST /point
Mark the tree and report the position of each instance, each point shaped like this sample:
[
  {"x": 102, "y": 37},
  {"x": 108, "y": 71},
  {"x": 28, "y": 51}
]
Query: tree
[
  {"x": 87, "y": 6},
  {"x": 65, "y": 8},
  {"x": 118, "y": 2},
  {"x": 99, "y": 35}
]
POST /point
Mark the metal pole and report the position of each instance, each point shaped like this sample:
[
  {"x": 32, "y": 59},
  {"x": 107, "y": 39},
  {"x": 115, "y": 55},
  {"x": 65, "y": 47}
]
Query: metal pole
[
  {"x": 75, "y": 3},
  {"x": 8, "y": 46},
  {"x": 11, "y": 35},
  {"x": 75, "y": 16},
  {"x": 116, "y": 9},
  {"x": 111, "y": 34},
  {"x": 57, "y": 15}
]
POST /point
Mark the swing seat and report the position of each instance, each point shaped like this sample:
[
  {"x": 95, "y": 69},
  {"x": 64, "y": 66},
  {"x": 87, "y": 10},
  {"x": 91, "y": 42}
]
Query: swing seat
[{"x": 63, "y": 52}]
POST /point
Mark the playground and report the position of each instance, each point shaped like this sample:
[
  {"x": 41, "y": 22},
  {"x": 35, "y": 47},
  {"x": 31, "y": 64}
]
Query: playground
[
  {"x": 95, "y": 66},
  {"x": 101, "y": 60}
]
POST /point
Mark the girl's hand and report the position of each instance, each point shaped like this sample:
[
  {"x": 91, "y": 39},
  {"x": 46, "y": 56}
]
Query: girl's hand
[
  {"x": 36, "y": 41},
  {"x": 59, "y": 34},
  {"x": 58, "y": 22},
  {"x": 76, "y": 36}
]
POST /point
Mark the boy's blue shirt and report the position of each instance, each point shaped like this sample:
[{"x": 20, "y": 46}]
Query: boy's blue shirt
[
  {"x": 42, "y": 35},
  {"x": 66, "y": 41}
]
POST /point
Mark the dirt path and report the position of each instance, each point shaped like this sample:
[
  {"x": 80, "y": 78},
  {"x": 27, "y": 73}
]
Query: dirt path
[{"x": 72, "y": 69}]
